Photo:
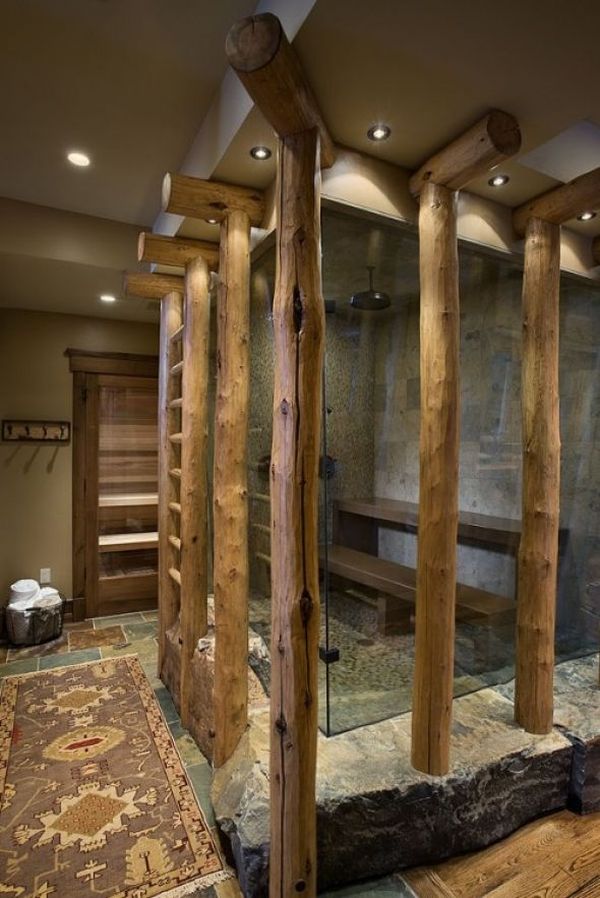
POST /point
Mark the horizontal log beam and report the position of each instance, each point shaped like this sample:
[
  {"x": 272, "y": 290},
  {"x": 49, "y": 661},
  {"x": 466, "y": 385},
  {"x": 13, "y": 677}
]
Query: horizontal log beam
[
  {"x": 266, "y": 64},
  {"x": 176, "y": 251},
  {"x": 151, "y": 286},
  {"x": 491, "y": 140},
  {"x": 198, "y": 198},
  {"x": 596, "y": 250},
  {"x": 561, "y": 203}
]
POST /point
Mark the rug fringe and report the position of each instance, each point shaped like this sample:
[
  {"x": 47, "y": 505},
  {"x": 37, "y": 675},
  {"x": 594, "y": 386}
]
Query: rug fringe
[{"x": 201, "y": 883}]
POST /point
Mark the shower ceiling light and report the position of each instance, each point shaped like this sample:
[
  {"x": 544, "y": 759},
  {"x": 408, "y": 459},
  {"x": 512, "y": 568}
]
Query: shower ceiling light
[
  {"x": 586, "y": 216},
  {"x": 211, "y": 221},
  {"x": 379, "y": 132},
  {"x": 81, "y": 160},
  {"x": 260, "y": 153},
  {"x": 108, "y": 297},
  {"x": 498, "y": 180}
]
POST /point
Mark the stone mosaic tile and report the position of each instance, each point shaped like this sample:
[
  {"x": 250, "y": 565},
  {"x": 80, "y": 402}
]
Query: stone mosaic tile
[
  {"x": 201, "y": 778},
  {"x": 52, "y": 647},
  {"x": 166, "y": 703},
  {"x": 87, "y": 639},
  {"x": 18, "y": 667},
  {"x": 390, "y": 886},
  {"x": 150, "y": 615},
  {"x": 69, "y": 658},
  {"x": 119, "y": 619},
  {"x": 142, "y": 630},
  {"x": 186, "y": 746}
]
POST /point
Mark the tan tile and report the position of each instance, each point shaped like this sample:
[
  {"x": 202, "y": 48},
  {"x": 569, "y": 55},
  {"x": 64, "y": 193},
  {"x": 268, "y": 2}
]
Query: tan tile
[
  {"x": 87, "y": 639},
  {"x": 53, "y": 647}
]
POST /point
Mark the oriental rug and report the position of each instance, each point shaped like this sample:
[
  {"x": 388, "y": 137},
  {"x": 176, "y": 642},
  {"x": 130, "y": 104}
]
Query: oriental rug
[{"x": 94, "y": 799}]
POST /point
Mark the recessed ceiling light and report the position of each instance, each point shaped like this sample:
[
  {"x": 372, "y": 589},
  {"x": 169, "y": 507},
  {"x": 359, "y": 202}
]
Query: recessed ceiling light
[
  {"x": 211, "y": 221},
  {"x": 586, "y": 216},
  {"x": 108, "y": 297},
  {"x": 78, "y": 159},
  {"x": 379, "y": 132},
  {"x": 260, "y": 153},
  {"x": 498, "y": 180}
]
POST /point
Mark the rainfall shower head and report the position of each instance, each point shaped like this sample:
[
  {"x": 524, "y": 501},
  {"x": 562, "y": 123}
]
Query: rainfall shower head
[{"x": 370, "y": 300}]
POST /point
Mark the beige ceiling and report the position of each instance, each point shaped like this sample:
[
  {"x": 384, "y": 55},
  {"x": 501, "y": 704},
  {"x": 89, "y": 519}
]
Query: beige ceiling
[{"x": 131, "y": 81}]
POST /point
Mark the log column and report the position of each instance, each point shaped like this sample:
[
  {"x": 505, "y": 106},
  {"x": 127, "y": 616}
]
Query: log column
[
  {"x": 495, "y": 137},
  {"x": 171, "y": 314},
  {"x": 299, "y": 326},
  {"x": 438, "y": 490},
  {"x": 193, "y": 489},
  {"x": 231, "y": 577},
  {"x": 538, "y": 552}
]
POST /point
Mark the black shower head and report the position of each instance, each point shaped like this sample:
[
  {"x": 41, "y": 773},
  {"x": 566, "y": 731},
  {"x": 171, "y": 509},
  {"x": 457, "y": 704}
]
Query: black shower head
[{"x": 370, "y": 300}]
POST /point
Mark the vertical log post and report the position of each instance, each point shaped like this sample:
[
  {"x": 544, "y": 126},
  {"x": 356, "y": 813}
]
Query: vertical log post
[
  {"x": 298, "y": 314},
  {"x": 438, "y": 490},
  {"x": 168, "y": 598},
  {"x": 230, "y": 573},
  {"x": 538, "y": 552},
  {"x": 193, "y": 489},
  {"x": 495, "y": 137},
  {"x": 260, "y": 54}
]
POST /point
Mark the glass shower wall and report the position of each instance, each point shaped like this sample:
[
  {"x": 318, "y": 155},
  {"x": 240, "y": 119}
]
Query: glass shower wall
[{"x": 369, "y": 469}]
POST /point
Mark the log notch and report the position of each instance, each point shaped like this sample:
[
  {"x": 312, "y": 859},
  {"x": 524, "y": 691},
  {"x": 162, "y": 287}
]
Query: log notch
[
  {"x": 274, "y": 81},
  {"x": 230, "y": 484},
  {"x": 177, "y": 251},
  {"x": 538, "y": 550},
  {"x": 483, "y": 146},
  {"x": 540, "y": 220},
  {"x": 151, "y": 286},
  {"x": 171, "y": 315},
  {"x": 194, "y": 468},
  {"x": 266, "y": 64}
]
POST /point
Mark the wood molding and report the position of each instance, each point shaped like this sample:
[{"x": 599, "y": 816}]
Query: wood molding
[
  {"x": 265, "y": 62},
  {"x": 492, "y": 139},
  {"x": 197, "y": 198},
  {"x": 151, "y": 286},
  {"x": 118, "y": 363},
  {"x": 177, "y": 251},
  {"x": 562, "y": 203}
]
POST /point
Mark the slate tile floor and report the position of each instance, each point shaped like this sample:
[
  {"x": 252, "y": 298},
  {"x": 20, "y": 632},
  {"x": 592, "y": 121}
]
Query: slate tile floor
[{"x": 135, "y": 634}]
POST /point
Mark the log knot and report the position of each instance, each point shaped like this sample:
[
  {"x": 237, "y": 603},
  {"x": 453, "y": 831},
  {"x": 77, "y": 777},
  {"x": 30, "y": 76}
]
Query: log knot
[
  {"x": 300, "y": 885},
  {"x": 306, "y": 606},
  {"x": 281, "y": 725},
  {"x": 298, "y": 309},
  {"x": 285, "y": 406}
]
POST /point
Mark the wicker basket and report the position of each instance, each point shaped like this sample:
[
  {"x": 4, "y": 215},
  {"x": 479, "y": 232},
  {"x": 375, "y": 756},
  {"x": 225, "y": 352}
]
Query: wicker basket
[{"x": 32, "y": 626}]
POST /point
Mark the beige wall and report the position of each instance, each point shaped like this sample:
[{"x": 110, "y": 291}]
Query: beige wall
[{"x": 35, "y": 480}]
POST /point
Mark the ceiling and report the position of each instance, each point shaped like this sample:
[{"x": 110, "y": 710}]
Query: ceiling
[{"x": 131, "y": 82}]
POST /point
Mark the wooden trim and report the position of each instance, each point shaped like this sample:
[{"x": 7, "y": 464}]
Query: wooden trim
[
  {"x": 177, "y": 251},
  {"x": 198, "y": 198},
  {"x": 438, "y": 486},
  {"x": 299, "y": 325},
  {"x": 266, "y": 64},
  {"x": 538, "y": 553},
  {"x": 168, "y": 599},
  {"x": 151, "y": 286},
  {"x": 194, "y": 474},
  {"x": 78, "y": 470},
  {"x": 112, "y": 363},
  {"x": 492, "y": 139},
  {"x": 230, "y": 484},
  {"x": 92, "y": 402},
  {"x": 562, "y": 203},
  {"x": 133, "y": 381}
]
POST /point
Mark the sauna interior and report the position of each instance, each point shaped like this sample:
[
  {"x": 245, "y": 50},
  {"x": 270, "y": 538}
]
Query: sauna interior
[{"x": 300, "y": 419}]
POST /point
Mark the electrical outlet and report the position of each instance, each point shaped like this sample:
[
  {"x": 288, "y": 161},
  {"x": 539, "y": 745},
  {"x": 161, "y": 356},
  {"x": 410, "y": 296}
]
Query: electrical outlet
[{"x": 45, "y": 575}]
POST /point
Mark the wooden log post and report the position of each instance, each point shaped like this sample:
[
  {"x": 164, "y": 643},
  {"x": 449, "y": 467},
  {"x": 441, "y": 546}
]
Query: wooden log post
[
  {"x": 184, "y": 195},
  {"x": 151, "y": 286},
  {"x": 168, "y": 594},
  {"x": 194, "y": 481},
  {"x": 539, "y": 220},
  {"x": 177, "y": 251},
  {"x": 260, "y": 54},
  {"x": 480, "y": 148},
  {"x": 538, "y": 550},
  {"x": 230, "y": 483}
]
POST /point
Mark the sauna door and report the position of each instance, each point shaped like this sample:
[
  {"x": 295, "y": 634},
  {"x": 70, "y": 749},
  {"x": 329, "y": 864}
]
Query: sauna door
[{"x": 115, "y": 496}]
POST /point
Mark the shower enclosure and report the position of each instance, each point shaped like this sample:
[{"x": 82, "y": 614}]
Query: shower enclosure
[{"x": 369, "y": 468}]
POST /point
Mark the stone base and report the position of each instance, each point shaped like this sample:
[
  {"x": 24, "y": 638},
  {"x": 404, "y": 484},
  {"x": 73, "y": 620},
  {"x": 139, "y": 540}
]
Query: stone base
[{"x": 377, "y": 815}]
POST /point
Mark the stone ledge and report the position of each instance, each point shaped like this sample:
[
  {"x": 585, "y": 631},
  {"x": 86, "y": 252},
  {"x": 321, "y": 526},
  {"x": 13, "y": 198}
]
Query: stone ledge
[{"x": 376, "y": 814}]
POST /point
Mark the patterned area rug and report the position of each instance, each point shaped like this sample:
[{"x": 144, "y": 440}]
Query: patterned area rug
[{"x": 95, "y": 800}]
